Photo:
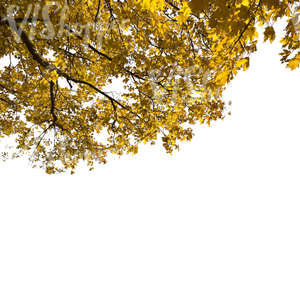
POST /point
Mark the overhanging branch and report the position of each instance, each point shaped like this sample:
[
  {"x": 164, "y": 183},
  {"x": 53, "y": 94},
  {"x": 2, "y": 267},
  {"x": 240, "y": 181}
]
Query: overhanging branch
[{"x": 37, "y": 57}]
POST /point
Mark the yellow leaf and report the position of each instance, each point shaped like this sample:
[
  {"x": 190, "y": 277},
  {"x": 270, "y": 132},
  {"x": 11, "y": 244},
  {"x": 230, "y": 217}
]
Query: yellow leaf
[
  {"x": 222, "y": 78},
  {"x": 293, "y": 64}
]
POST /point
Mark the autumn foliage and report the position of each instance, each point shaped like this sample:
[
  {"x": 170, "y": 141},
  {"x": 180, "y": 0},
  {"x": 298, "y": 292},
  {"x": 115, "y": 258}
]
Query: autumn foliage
[{"x": 80, "y": 79}]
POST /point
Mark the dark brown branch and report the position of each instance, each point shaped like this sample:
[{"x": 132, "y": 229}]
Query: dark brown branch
[
  {"x": 98, "y": 10},
  {"x": 172, "y": 5},
  {"x": 52, "y": 98},
  {"x": 45, "y": 64},
  {"x": 41, "y": 137},
  {"x": 88, "y": 44},
  {"x": 7, "y": 101},
  {"x": 66, "y": 27},
  {"x": 32, "y": 50},
  {"x": 245, "y": 28},
  {"x": 49, "y": 66}
]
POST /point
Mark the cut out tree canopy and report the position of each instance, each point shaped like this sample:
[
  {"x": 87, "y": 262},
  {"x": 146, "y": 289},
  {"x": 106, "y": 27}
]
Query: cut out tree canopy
[{"x": 81, "y": 79}]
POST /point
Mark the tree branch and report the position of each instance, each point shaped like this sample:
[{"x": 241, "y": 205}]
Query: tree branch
[
  {"x": 98, "y": 10},
  {"x": 36, "y": 56},
  {"x": 45, "y": 64},
  {"x": 52, "y": 98}
]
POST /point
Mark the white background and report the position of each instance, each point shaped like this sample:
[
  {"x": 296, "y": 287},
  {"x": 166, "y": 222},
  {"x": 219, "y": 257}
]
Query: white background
[{"x": 218, "y": 220}]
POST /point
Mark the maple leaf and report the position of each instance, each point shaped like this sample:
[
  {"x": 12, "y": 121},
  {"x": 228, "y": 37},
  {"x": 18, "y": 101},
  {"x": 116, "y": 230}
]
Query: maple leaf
[{"x": 170, "y": 61}]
